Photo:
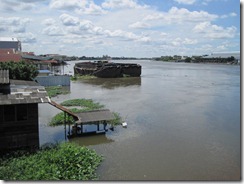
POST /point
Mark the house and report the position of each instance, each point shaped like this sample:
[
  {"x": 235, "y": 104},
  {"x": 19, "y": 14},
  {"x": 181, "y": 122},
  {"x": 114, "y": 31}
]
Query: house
[
  {"x": 19, "y": 112},
  {"x": 10, "y": 42},
  {"x": 9, "y": 55}
]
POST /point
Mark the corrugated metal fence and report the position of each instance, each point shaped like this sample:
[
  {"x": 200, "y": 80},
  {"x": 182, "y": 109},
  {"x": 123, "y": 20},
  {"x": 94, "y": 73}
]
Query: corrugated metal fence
[{"x": 62, "y": 80}]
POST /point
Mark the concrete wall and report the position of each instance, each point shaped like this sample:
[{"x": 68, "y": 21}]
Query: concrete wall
[{"x": 62, "y": 80}]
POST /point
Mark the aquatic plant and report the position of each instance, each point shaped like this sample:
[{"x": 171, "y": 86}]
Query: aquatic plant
[
  {"x": 87, "y": 103},
  {"x": 53, "y": 91},
  {"x": 66, "y": 161},
  {"x": 117, "y": 120}
]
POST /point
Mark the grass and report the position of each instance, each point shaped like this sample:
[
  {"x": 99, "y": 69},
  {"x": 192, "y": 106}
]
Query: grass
[
  {"x": 53, "y": 91},
  {"x": 66, "y": 161},
  {"x": 82, "y": 77}
]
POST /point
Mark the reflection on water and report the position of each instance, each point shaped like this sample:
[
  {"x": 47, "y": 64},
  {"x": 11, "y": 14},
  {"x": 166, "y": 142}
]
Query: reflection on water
[
  {"x": 183, "y": 122},
  {"x": 111, "y": 83},
  {"x": 91, "y": 140}
]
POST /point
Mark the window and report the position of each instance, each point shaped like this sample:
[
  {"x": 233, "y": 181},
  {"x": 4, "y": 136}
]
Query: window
[
  {"x": 1, "y": 113},
  {"x": 22, "y": 112},
  {"x": 9, "y": 113}
]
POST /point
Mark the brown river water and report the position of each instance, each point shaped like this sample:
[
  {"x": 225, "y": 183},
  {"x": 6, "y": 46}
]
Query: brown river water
[{"x": 183, "y": 122}]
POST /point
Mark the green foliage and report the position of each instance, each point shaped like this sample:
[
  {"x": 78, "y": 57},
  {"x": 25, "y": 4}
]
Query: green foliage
[
  {"x": 88, "y": 103},
  {"x": 188, "y": 60},
  {"x": 232, "y": 58},
  {"x": 55, "y": 91},
  {"x": 73, "y": 78},
  {"x": 20, "y": 70},
  {"x": 117, "y": 120},
  {"x": 86, "y": 77},
  {"x": 66, "y": 161},
  {"x": 58, "y": 119}
]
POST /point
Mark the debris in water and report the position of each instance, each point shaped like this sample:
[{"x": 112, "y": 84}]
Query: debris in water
[{"x": 124, "y": 125}]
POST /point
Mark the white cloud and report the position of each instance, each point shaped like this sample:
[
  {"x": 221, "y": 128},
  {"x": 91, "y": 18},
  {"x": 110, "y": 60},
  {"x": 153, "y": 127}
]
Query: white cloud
[
  {"x": 79, "y": 6},
  {"x": 14, "y": 24},
  {"x": 53, "y": 30},
  {"x": 27, "y": 37},
  {"x": 16, "y": 5},
  {"x": 212, "y": 31},
  {"x": 185, "y": 1},
  {"x": 49, "y": 21},
  {"x": 69, "y": 20},
  {"x": 181, "y": 15},
  {"x": 113, "y": 4},
  {"x": 67, "y": 5},
  {"x": 233, "y": 14},
  {"x": 139, "y": 25}
]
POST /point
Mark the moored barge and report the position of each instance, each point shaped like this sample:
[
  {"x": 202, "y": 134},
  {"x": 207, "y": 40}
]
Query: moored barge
[{"x": 106, "y": 69}]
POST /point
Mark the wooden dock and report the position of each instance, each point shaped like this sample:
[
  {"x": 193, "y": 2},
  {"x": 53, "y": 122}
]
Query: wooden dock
[{"x": 97, "y": 117}]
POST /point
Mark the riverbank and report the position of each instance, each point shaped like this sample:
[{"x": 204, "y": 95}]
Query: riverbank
[{"x": 64, "y": 161}]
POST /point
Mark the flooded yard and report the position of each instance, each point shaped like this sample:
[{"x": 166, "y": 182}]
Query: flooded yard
[{"x": 183, "y": 122}]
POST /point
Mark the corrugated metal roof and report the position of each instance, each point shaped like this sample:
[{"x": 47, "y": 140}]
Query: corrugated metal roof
[
  {"x": 23, "y": 92},
  {"x": 4, "y": 77},
  {"x": 95, "y": 115},
  {"x": 37, "y": 58}
]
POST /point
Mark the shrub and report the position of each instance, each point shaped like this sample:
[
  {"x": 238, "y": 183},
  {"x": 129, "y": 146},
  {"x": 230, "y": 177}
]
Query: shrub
[{"x": 66, "y": 161}]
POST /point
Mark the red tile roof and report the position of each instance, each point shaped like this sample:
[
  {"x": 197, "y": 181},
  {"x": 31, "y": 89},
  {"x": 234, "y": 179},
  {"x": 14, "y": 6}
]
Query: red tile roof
[
  {"x": 7, "y": 51},
  {"x": 10, "y": 57}
]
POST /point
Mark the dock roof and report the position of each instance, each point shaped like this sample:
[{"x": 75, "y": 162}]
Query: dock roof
[{"x": 95, "y": 115}]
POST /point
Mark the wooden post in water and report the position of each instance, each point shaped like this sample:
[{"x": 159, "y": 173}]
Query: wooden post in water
[
  {"x": 98, "y": 126},
  {"x": 81, "y": 128},
  {"x": 65, "y": 126},
  {"x": 69, "y": 126}
]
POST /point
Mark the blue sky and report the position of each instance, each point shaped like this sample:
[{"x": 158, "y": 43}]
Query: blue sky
[{"x": 130, "y": 28}]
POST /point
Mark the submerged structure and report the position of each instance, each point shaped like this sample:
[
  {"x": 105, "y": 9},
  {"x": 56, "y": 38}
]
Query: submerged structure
[{"x": 105, "y": 69}]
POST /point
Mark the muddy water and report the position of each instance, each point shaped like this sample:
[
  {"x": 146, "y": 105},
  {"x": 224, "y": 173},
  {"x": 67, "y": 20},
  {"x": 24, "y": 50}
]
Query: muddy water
[{"x": 183, "y": 122}]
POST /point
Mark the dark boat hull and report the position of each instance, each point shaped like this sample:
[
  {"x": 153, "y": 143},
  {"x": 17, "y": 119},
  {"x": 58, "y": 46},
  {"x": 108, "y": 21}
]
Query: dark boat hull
[{"x": 108, "y": 70}]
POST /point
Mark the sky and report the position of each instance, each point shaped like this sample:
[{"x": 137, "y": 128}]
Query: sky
[{"x": 122, "y": 28}]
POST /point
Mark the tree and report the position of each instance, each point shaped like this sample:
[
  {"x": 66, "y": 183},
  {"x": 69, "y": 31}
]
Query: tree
[
  {"x": 232, "y": 58},
  {"x": 20, "y": 70},
  {"x": 188, "y": 60}
]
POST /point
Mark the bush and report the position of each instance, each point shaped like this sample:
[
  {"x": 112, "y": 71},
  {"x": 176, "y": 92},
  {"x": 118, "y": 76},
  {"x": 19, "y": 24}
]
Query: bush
[
  {"x": 20, "y": 70},
  {"x": 66, "y": 161}
]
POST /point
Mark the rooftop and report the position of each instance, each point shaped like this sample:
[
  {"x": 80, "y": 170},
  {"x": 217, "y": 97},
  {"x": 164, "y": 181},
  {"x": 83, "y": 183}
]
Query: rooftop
[
  {"x": 4, "y": 77},
  {"x": 8, "y": 39},
  {"x": 10, "y": 57},
  {"x": 95, "y": 115},
  {"x": 24, "y": 92}
]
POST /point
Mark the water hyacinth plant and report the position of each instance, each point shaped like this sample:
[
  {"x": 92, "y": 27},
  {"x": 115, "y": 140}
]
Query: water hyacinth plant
[{"x": 65, "y": 161}]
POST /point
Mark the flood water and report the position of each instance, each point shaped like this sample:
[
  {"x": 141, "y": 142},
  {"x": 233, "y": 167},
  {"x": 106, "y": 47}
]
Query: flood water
[{"x": 183, "y": 122}]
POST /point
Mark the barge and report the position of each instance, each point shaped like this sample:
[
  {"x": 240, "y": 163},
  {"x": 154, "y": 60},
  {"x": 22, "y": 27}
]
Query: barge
[{"x": 105, "y": 69}]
